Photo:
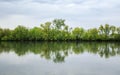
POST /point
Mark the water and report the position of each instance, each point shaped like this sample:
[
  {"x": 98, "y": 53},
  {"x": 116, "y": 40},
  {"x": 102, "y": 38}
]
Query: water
[{"x": 59, "y": 58}]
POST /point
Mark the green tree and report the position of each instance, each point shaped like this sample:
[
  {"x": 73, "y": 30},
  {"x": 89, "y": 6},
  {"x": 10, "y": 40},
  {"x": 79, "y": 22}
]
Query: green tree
[
  {"x": 93, "y": 34},
  {"x": 104, "y": 32},
  {"x": 118, "y": 30},
  {"x": 58, "y": 23},
  {"x": 78, "y": 33},
  {"x": 113, "y": 29},
  {"x": 35, "y": 34},
  {"x": 1, "y": 33},
  {"x": 117, "y": 36},
  {"x": 101, "y": 29},
  {"x": 7, "y": 34},
  {"x": 46, "y": 28},
  {"x": 58, "y": 30},
  {"x": 20, "y": 33},
  {"x": 107, "y": 30}
]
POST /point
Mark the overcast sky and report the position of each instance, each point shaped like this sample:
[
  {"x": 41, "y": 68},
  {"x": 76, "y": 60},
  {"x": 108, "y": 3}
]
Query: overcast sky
[{"x": 82, "y": 13}]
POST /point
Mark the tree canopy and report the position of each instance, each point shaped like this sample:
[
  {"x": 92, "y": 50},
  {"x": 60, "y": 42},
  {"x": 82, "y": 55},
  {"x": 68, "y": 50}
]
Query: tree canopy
[{"x": 57, "y": 30}]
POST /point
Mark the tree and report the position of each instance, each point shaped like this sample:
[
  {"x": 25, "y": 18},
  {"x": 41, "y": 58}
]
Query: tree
[
  {"x": 20, "y": 33},
  {"x": 58, "y": 30},
  {"x": 101, "y": 29},
  {"x": 67, "y": 32},
  {"x": 46, "y": 28},
  {"x": 117, "y": 36},
  {"x": 104, "y": 32},
  {"x": 78, "y": 33},
  {"x": 118, "y": 30},
  {"x": 58, "y": 23},
  {"x": 1, "y": 33},
  {"x": 7, "y": 34},
  {"x": 92, "y": 34},
  {"x": 35, "y": 34},
  {"x": 107, "y": 30},
  {"x": 113, "y": 29}
]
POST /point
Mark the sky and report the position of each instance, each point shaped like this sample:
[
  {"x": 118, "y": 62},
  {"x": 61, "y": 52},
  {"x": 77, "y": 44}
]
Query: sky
[{"x": 77, "y": 13}]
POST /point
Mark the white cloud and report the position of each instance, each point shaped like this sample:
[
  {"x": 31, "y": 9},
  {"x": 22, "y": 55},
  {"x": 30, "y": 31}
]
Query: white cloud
[{"x": 77, "y": 12}]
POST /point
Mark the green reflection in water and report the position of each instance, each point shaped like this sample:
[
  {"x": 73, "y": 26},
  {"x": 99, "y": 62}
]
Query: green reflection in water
[{"x": 58, "y": 51}]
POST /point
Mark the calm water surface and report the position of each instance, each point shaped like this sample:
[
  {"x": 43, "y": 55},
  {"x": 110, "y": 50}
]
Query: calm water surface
[{"x": 59, "y": 58}]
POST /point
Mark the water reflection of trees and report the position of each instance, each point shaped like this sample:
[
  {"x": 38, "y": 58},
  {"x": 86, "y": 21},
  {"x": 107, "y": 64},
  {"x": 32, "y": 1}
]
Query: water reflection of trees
[{"x": 57, "y": 51}]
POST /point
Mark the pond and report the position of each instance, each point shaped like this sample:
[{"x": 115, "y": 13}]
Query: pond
[{"x": 59, "y": 58}]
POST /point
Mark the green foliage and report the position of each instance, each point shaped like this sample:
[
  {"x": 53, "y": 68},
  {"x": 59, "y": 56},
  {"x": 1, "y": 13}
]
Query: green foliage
[
  {"x": 20, "y": 33},
  {"x": 46, "y": 28},
  {"x": 118, "y": 30},
  {"x": 92, "y": 34},
  {"x": 7, "y": 34},
  {"x": 107, "y": 30},
  {"x": 1, "y": 33},
  {"x": 58, "y": 23},
  {"x": 78, "y": 33},
  {"x": 35, "y": 34},
  {"x": 57, "y": 30}
]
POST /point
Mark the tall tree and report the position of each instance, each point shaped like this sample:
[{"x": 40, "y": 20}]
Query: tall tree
[
  {"x": 46, "y": 30},
  {"x": 101, "y": 29},
  {"x": 107, "y": 30},
  {"x": 58, "y": 23}
]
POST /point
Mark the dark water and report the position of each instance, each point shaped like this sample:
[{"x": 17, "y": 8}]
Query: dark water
[{"x": 59, "y": 58}]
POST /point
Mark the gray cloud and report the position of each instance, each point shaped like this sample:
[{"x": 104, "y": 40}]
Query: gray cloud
[
  {"x": 10, "y": 0},
  {"x": 7, "y": 0},
  {"x": 78, "y": 12},
  {"x": 59, "y": 1},
  {"x": 46, "y": 1}
]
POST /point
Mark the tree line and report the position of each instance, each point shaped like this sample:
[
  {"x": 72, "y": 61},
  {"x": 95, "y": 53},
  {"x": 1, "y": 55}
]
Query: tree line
[{"x": 57, "y": 30}]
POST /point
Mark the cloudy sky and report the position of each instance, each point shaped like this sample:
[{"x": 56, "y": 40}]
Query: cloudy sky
[{"x": 83, "y": 13}]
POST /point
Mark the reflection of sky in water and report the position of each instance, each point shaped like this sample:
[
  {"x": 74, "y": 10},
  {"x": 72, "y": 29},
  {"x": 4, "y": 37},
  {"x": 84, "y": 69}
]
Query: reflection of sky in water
[{"x": 82, "y": 64}]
